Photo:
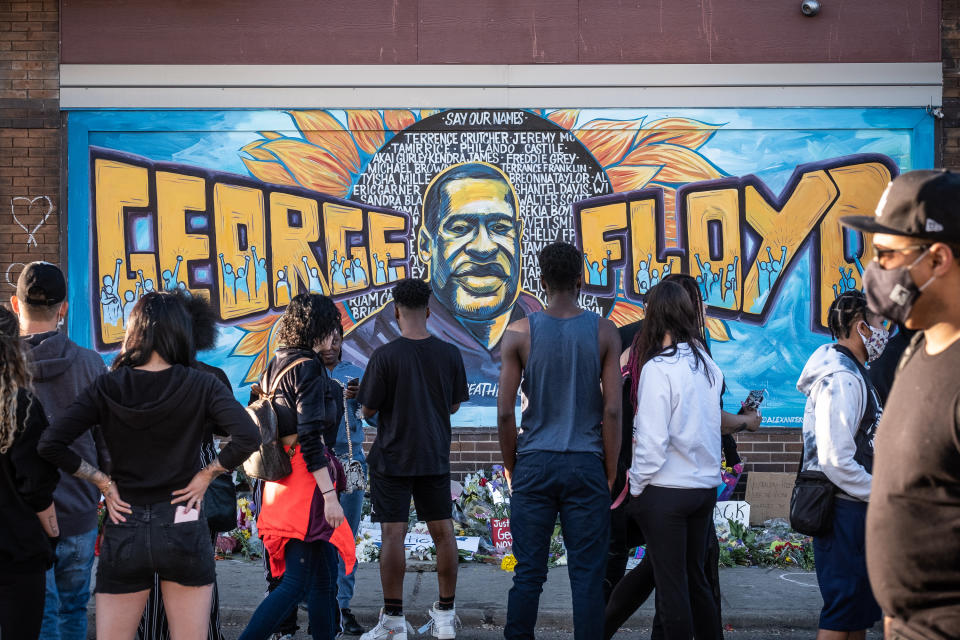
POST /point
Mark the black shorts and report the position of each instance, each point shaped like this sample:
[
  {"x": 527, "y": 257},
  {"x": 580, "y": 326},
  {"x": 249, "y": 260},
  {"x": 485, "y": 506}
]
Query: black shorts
[
  {"x": 390, "y": 497},
  {"x": 149, "y": 542}
]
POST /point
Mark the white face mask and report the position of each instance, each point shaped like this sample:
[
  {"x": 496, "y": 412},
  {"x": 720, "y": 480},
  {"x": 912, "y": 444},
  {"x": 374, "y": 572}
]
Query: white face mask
[{"x": 875, "y": 343}]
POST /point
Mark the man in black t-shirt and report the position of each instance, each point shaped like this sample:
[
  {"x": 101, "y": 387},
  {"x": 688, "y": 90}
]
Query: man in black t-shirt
[
  {"x": 913, "y": 535},
  {"x": 414, "y": 383}
]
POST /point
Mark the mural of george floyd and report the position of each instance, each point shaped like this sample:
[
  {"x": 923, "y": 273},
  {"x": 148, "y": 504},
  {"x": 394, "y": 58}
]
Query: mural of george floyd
[{"x": 250, "y": 207}]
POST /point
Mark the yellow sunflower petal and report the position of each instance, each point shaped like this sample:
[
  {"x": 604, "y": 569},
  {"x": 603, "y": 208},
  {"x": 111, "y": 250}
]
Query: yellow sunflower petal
[
  {"x": 398, "y": 119},
  {"x": 272, "y": 172},
  {"x": 322, "y": 129},
  {"x": 426, "y": 113},
  {"x": 683, "y": 132},
  {"x": 626, "y": 177},
  {"x": 367, "y": 128},
  {"x": 270, "y": 135},
  {"x": 311, "y": 166},
  {"x": 718, "y": 330},
  {"x": 679, "y": 163},
  {"x": 257, "y": 367},
  {"x": 566, "y": 118},
  {"x": 609, "y": 140}
]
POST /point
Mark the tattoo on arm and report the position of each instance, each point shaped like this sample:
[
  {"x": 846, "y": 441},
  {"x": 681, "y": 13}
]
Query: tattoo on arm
[
  {"x": 215, "y": 468},
  {"x": 91, "y": 474}
]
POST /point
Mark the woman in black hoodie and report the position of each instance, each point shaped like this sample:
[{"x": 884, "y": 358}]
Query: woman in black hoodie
[
  {"x": 153, "y": 408},
  {"x": 26, "y": 494}
]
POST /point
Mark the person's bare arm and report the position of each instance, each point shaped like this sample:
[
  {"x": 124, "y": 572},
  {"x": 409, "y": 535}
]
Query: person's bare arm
[
  {"x": 731, "y": 423},
  {"x": 48, "y": 520},
  {"x": 511, "y": 371},
  {"x": 367, "y": 412},
  {"x": 611, "y": 380}
]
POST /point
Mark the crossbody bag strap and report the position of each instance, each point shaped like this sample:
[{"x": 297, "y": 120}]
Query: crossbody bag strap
[
  {"x": 349, "y": 427},
  {"x": 272, "y": 388}
]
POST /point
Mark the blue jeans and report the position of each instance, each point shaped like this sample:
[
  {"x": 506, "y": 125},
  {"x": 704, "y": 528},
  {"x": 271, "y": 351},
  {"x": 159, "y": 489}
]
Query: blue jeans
[
  {"x": 573, "y": 486},
  {"x": 352, "y": 504},
  {"x": 68, "y": 589},
  {"x": 311, "y": 573}
]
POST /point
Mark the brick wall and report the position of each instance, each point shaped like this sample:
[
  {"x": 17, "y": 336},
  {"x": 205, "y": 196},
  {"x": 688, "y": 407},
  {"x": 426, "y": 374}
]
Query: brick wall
[
  {"x": 948, "y": 155},
  {"x": 773, "y": 449},
  {"x": 29, "y": 137}
]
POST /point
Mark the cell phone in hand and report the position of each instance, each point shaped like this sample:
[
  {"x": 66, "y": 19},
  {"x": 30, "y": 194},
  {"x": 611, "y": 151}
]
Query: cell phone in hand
[
  {"x": 354, "y": 383},
  {"x": 754, "y": 399}
]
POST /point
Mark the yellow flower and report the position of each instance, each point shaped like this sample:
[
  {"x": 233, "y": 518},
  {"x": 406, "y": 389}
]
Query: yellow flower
[{"x": 508, "y": 563}]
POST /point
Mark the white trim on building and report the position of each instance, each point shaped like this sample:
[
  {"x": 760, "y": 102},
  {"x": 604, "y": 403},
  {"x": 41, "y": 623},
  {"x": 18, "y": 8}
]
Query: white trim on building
[{"x": 84, "y": 86}]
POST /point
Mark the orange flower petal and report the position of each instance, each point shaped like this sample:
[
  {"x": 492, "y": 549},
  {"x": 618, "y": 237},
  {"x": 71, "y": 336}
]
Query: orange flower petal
[
  {"x": 718, "y": 329},
  {"x": 679, "y": 163},
  {"x": 272, "y": 172},
  {"x": 257, "y": 367},
  {"x": 345, "y": 319},
  {"x": 623, "y": 313},
  {"x": 609, "y": 140},
  {"x": 626, "y": 177},
  {"x": 254, "y": 150},
  {"x": 398, "y": 119},
  {"x": 683, "y": 132},
  {"x": 566, "y": 118},
  {"x": 366, "y": 125},
  {"x": 311, "y": 166},
  {"x": 322, "y": 129}
]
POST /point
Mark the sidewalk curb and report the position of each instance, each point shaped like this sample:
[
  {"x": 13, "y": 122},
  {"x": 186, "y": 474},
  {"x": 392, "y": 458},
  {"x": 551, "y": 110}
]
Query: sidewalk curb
[{"x": 562, "y": 620}]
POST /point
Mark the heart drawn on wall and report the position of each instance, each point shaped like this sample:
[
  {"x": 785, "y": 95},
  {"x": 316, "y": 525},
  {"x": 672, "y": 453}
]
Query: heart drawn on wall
[{"x": 30, "y": 210}]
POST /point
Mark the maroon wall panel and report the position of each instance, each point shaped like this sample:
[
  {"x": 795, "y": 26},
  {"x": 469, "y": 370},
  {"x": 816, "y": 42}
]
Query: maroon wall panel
[
  {"x": 500, "y": 32},
  {"x": 721, "y": 31},
  {"x": 239, "y": 32},
  {"x": 496, "y": 31}
]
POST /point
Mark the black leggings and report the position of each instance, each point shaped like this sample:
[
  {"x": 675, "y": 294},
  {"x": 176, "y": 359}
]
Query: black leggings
[
  {"x": 21, "y": 604},
  {"x": 689, "y": 601}
]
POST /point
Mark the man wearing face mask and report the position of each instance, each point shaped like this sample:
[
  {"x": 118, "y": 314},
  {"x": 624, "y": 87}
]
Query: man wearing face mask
[
  {"x": 913, "y": 544},
  {"x": 839, "y": 423}
]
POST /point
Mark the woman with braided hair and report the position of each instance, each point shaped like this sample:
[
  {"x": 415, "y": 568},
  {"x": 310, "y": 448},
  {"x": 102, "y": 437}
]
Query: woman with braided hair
[
  {"x": 839, "y": 422},
  {"x": 29, "y": 531}
]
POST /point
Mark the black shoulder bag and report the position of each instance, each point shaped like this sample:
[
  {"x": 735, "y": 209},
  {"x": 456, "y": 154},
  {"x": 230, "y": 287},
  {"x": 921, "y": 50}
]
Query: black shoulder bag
[{"x": 811, "y": 504}]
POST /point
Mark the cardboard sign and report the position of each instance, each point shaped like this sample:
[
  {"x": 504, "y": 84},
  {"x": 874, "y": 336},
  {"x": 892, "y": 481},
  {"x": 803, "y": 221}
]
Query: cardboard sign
[
  {"x": 769, "y": 495},
  {"x": 736, "y": 510},
  {"x": 500, "y": 532},
  {"x": 465, "y": 543}
]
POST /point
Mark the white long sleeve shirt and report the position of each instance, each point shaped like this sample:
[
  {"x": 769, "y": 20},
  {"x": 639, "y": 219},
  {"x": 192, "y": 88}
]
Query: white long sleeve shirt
[
  {"x": 676, "y": 430},
  {"x": 836, "y": 401}
]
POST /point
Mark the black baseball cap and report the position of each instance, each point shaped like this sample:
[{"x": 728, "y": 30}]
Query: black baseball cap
[
  {"x": 921, "y": 204},
  {"x": 41, "y": 284}
]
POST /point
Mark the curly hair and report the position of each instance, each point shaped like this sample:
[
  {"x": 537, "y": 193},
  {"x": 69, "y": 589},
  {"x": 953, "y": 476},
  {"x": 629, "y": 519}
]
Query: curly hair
[
  {"x": 561, "y": 264},
  {"x": 412, "y": 293},
  {"x": 203, "y": 320},
  {"x": 308, "y": 319},
  {"x": 14, "y": 375},
  {"x": 158, "y": 323},
  {"x": 845, "y": 311}
]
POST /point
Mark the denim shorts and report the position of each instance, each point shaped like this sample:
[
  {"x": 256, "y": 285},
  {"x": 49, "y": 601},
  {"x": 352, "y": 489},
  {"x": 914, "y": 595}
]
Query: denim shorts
[{"x": 149, "y": 542}]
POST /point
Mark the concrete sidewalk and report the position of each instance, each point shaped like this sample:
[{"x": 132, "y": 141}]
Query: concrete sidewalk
[{"x": 752, "y": 598}]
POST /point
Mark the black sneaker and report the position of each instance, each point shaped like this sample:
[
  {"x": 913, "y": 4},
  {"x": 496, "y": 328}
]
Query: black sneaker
[{"x": 349, "y": 624}]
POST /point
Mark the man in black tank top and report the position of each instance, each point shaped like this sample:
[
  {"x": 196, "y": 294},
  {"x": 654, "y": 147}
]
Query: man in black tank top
[{"x": 564, "y": 459}]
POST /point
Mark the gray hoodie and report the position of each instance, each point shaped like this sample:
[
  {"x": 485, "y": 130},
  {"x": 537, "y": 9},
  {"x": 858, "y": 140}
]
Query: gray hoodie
[
  {"x": 836, "y": 400},
  {"x": 61, "y": 370}
]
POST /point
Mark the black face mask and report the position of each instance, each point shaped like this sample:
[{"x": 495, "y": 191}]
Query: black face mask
[{"x": 892, "y": 293}]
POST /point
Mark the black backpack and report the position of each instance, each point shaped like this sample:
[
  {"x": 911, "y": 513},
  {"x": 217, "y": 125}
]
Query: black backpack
[{"x": 270, "y": 462}]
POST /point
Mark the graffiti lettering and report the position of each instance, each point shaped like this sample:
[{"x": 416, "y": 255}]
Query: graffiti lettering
[
  {"x": 735, "y": 237},
  {"x": 245, "y": 245}
]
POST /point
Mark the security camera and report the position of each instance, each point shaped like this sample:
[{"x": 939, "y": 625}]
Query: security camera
[{"x": 810, "y": 8}]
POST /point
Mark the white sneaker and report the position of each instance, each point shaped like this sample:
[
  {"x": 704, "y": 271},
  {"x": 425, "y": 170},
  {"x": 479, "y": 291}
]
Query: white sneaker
[
  {"x": 443, "y": 624},
  {"x": 392, "y": 627}
]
